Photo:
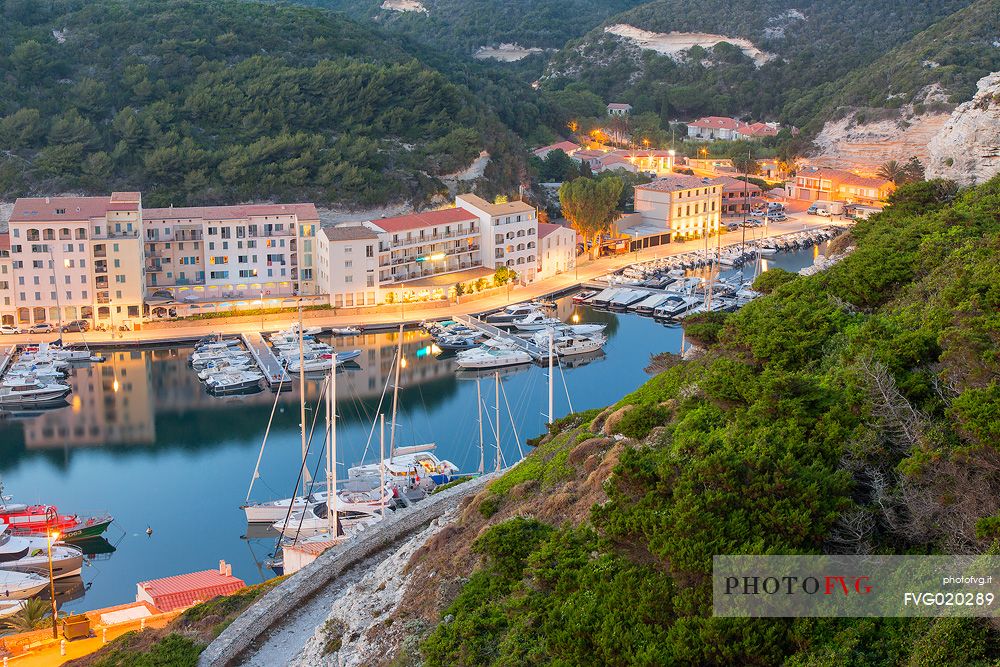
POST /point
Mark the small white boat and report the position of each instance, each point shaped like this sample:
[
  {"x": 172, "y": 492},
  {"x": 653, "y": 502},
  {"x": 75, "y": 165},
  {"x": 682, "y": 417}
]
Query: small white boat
[
  {"x": 20, "y": 585},
  {"x": 31, "y": 393},
  {"x": 676, "y": 306},
  {"x": 314, "y": 520},
  {"x": 649, "y": 304},
  {"x": 492, "y": 357},
  {"x": 566, "y": 346},
  {"x": 230, "y": 382},
  {"x": 227, "y": 365},
  {"x": 345, "y": 331},
  {"x": 407, "y": 468}
]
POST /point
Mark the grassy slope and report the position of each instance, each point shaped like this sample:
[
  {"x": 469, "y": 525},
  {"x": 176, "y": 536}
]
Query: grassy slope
[{"x": 863, "y": 396}]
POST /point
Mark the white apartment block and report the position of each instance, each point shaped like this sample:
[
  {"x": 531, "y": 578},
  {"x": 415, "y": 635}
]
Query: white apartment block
[
  {"x": 675, "y": 207},
  {"x": 557, "y": 250},
  {"x": 347, "y": 265},
  {"x": 509, "y": 234},
  {"x": 77, "y": 258},
  {"x": 220, "y": 252}
]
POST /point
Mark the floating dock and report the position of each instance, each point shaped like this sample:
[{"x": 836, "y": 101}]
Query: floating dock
[
  {"x": 495, "y": 332},
  {"x": 274, "y": 373}
]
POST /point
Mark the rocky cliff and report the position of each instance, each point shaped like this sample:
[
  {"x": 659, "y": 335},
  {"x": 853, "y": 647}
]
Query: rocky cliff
[{"x": 967, "y": 149}]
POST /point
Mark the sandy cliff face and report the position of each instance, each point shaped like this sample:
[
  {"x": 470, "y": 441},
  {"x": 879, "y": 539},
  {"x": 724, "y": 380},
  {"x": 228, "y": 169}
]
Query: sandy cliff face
[{"x": 967, "y": 149}]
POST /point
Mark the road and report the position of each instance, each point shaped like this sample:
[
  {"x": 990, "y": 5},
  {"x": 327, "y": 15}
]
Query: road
[{"x": 588, "y": 270}]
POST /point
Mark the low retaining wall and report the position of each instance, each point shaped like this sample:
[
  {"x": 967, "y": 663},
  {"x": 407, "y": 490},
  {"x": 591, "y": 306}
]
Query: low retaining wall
[{"x": 291, "y": 593}]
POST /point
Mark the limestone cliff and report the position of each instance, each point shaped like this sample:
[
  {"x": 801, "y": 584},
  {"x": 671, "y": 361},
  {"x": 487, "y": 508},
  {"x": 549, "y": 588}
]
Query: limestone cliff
[{"x": 967, "y": 149}]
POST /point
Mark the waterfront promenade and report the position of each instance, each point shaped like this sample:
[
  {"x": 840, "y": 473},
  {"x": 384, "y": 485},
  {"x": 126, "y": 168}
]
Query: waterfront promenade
[{"x": 587, "y": 271}]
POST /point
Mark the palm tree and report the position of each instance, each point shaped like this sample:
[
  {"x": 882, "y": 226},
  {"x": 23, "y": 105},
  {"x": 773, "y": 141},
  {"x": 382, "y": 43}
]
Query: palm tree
[
  {"x": 31, "y": 616},
  {"x": 892, "y": 171}
]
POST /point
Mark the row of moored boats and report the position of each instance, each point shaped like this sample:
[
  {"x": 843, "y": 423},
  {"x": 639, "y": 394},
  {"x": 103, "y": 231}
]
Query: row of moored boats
[{"x": 36, "y": 376}]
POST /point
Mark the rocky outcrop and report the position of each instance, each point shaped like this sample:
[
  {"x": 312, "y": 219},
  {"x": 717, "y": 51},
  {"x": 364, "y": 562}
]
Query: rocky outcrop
[{"x": 967, "y": 149}]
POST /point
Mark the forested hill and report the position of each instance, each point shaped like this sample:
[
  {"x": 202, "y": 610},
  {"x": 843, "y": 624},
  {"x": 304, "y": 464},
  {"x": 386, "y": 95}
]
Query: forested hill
[
  {"x": 466, "y": 25},
  {"x": 226, "y": 101},
  {"x": 813, "y": 44},
  {"x": 854, "y": 411}
]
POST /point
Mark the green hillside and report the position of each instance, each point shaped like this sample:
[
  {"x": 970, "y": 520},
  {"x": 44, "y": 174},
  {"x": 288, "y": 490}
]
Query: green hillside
[
  {"x": 815, "y": 43},
  {"x": 854, "y": 411},
  {"x": 226, "y": 101}
]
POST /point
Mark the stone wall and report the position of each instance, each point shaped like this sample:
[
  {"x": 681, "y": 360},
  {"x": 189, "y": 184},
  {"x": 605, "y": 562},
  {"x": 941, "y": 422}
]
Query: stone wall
[{"x": 284, "y": 598}]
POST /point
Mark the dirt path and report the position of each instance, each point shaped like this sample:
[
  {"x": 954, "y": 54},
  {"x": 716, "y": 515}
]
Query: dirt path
[{"x": 284, "y": 642}]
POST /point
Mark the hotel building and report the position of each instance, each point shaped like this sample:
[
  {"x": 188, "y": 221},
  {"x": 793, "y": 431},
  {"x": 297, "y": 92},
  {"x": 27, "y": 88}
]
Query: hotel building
[{"x": 675, "y": 207}]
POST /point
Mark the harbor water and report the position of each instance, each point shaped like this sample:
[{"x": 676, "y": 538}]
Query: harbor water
[{"x": 143, "y": 440}]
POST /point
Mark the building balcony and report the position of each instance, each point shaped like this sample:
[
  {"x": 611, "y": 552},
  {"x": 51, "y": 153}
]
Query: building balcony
[
  {"x": 154, "y": 268},
  {"x": 100, "y": 269},
  {"x": 100, "y": 253}
]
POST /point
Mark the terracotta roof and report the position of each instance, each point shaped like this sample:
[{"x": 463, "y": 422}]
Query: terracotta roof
[
  {"x": 349, "y": 233},
  {"x": 717, "y": 122},
  {"x": 843, "y": 176},
  {"x": 445, "y": 216},
  {"x": 730, "y": 183},
  {"x": 186, "y": 589},
  {"x": 546, "y": 228},
  {"x": 4, "y": 241},
  {"x": 509, "y": 208},
  {"x": 43, "y": 209},
  {"x": 237, "y": 212},
  {"x": 564, "y": 146},
  {"x": 759, "y": 130},
  {"x": 676, "y": 182}
]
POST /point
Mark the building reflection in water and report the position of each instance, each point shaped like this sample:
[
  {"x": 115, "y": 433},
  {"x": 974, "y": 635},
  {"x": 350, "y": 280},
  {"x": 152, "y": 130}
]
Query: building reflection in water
[{"x": 116, "y": 402}]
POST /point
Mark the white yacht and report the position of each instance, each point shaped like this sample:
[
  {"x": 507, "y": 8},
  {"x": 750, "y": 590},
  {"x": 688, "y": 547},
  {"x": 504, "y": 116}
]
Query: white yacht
[
  {"x": 31, "y": 393},
  {"x": 31, "y": 555},
  {"x": 228, "y": 365},
  {"x": 536, "y": 321},
  {"x": 20, "y": 585},
  {"x": 492, "y": 357},
  {"x": 676, "y": 306},
  {"x": 407, "y": 468},
  {"x": 513, "y": 312},
  {"x": 314, "y": 519},
  {"x": 649, "y": 304}
]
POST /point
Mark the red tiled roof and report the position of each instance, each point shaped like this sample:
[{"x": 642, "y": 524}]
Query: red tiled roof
[
  {"x": 402, "y": 223},
  {"x": 729, "y": 183},
  {"x": 4, "y": 241},
  {"x": 43, "y": 209},
  {"x": 717, "y": 122},
  {"x": 237, "y": 212},
  {"x": 546, "y": 228},
  {"x": 843, "y": 176},
  {"x": 186, "y": 589},
  {"x": 759, "y": 129},
  {"x": 564, "y": 146}
]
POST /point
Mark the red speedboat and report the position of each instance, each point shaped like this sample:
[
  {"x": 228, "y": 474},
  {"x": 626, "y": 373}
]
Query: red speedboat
[{"x": 42, "y": 520}]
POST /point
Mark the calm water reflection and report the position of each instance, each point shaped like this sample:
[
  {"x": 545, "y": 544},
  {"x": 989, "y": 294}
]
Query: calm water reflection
[{"x": 144, "y": 441}]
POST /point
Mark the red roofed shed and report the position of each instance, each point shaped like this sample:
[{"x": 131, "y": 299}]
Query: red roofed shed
[{"x": 185, "y": 590}]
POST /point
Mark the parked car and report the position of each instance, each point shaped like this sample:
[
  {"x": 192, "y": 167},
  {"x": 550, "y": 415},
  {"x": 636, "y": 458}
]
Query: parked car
[
  {"x": 775, "y": 206},
  {"x": 823, "y": 213},
  {"x": 813, "y": 210},
  {"x": 776, "y": 216},
  {"x": 43, "y": 327},
  {"x": 754, "y": 222},
  {"x": 76, "y": 325},
  {"x": 6, "y": 330},
  {"x": 732, "y": 226}
]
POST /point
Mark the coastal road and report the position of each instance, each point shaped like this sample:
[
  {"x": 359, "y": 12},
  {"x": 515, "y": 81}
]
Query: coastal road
[{"x": 587, "y": 270}]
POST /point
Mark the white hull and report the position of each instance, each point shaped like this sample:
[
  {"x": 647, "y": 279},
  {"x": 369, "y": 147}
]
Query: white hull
[
  {"x": 498, "y": 360},
  {"x": 20, "y": 585}
]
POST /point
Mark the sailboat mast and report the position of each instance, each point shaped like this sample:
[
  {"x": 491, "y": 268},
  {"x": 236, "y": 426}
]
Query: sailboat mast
[
  {"x": 331, "y": 453},
  {"x": 381, "y": 459},
  {"x": 497, "y": 387},
  {"x": 479, "y": 411},
  {"x": 551, "y": 417},
  {"x": 302, "y": 403},
  {"x": 395, "y": 395}
]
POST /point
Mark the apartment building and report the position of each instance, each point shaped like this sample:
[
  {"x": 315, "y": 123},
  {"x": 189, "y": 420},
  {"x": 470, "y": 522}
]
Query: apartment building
[
  {"x": 675, "y": 207},
  {"x": 77, "y": 257},
  {"x": 822, "y": 184},
  {"x": 8, "y": 313},
  {"x": 557, "y": 250},
  {"x": 220, "y": 252},
  {"x": 347, "y": 262},
  {"x": 509, "y": 234}
]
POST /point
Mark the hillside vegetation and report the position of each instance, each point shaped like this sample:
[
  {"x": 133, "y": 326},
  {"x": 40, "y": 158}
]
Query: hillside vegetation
[
  {"x": 225, "y": 101},
  {"x": 816, "y": 45},
  {"x": 854, "y": 411}
]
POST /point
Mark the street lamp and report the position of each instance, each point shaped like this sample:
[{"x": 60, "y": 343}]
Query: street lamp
[{"x": 52, "y": 537}]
